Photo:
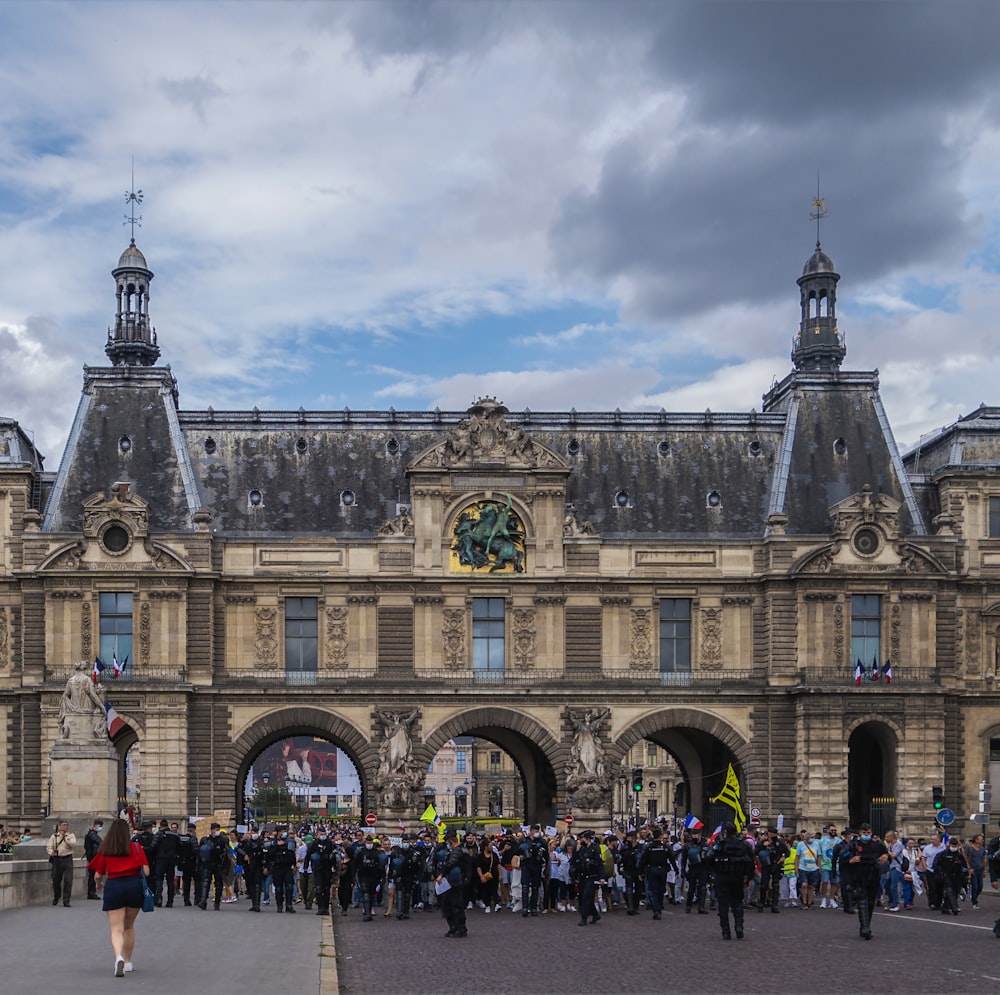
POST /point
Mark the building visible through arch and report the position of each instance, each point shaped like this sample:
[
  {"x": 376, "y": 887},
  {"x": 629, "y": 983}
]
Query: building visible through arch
[{"x": 778, "y": 590}]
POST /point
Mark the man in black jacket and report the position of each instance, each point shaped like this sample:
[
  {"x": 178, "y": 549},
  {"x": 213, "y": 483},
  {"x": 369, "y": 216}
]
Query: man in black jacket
[
  {"x": 91, "y": 844},
  {"x": 733, "y": 866},
  {"x": 868, "y": 856},
  {"x": 587, "y": 870},
  {"x": 455, "y": 869},
  {"x": 368, "y": 867},
  {"x": 166, "y": 846},
  {"x": 534, "y": 857},
  {"x": 657, "y": 857},
  {"x": 213, "y": 854}
]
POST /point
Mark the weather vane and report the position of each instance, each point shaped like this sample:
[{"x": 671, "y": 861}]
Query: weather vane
[
  {"x": 133, "y": 197},
  {"x": 818, "y": 213}
]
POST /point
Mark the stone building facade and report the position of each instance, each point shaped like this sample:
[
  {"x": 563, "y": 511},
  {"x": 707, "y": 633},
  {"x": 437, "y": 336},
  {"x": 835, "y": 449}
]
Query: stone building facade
[{"x": 565, "y": 585}]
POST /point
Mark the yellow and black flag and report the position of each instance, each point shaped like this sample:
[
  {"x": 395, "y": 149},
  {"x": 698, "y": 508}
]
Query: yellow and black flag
[{"x": 730, "y": 795}]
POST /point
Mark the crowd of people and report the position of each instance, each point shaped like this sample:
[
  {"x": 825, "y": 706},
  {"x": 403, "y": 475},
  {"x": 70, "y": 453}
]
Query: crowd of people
[{"x": 334, "y": 867}]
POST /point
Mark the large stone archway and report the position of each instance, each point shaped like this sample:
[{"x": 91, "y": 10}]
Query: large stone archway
[
  {"x": 703, "y": 745},
  {"x": 294, "y": 721},
  {"x": 539, "y": 756}
]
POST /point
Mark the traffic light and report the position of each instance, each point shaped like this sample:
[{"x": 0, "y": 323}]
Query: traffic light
[
  {"x": 937, "y": 793},
  {"x": 637, "y": 779}
]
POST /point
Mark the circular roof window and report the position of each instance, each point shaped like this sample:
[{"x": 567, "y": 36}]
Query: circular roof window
[
  {"x": 866, "y": 541},
  {"x": 115, "y": 539}
]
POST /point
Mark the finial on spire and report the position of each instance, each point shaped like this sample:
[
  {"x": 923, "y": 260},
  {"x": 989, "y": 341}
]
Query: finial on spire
[
  {"x": 818, "y": 213},
  {"x": 133, "y": 197}
]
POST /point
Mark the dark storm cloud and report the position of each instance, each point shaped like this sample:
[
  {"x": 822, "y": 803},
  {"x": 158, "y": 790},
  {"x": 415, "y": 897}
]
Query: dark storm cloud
[
  {"x": 724, "y": 218},
  {"x": 785, "y": 62},
  {"x": 774, "y": 94}
]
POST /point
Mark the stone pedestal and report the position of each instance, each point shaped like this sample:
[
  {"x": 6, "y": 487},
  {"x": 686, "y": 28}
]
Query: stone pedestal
[{"x": 84, "y": 780}]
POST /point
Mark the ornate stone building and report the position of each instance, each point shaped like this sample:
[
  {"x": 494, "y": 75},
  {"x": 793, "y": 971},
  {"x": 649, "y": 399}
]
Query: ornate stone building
[{"x": 565, "y": 585}]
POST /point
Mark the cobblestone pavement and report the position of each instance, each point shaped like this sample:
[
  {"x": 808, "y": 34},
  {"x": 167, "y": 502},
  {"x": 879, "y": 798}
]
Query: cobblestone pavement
[
  {"x": 61, "y": 951},
  {"x": 797, "y": 952}
]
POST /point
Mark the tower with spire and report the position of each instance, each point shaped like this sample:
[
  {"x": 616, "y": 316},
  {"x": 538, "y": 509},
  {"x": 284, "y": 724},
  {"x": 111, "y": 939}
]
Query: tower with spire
[
  {"x": 819, "y": 344},
  {"x": 132, "y": 342}
]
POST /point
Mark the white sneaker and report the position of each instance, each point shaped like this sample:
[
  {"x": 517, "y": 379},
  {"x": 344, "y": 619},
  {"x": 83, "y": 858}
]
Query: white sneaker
[
  {"x": 487, "y": 910},
  {"x": 481, "y": 904},
  {"x": 560, "y": 907},
  {"x": 129, "y": 967},
  {"x": 822, "y": 903},
  {"x": 119, "y": 967},
  {"x": 496, "y": 908},
  {"x": 834, "y": 905},
  {"x": 893, "y": 908},
  {"x": 469, "y": 906}
]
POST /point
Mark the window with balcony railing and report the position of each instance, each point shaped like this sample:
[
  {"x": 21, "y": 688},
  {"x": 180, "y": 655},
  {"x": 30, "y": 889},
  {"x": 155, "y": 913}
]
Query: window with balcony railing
[{"x": 675, "y": 635}]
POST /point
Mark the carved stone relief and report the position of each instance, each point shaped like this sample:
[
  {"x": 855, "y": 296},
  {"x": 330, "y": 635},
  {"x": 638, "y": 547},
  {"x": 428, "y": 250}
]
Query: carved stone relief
[
  {"x": 640, "y": 651},
  {"x": 973, "y": 642},
  {"x": 86, "y": 630},
  {"x": 265, "y": 642},
  {"x": 453, "y": 633},
  {"x": 4, "y": 659},
  {"x": 523, "y": 626},
  {"x": 711, "y": 639},
  {"x": 336, "y": 638},
  {"x": 895, "y": 625},
  {"x": 838, "y": 632},
  {"x": 145, "y": 627}
]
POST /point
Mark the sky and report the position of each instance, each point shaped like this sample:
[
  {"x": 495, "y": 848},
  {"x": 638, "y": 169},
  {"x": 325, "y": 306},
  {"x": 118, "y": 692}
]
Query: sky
[{"x": 564, "y": 205}]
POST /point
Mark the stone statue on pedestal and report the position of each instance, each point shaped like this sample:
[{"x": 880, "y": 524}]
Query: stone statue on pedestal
[
  {"x": 399, "y": 776},
  {"x": 82, "y": 717},
  {"x": 586, "y": 774}
]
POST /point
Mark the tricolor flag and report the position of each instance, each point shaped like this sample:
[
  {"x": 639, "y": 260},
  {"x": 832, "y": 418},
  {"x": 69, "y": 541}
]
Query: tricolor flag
[
  {"x": 98, "y": 668},
  {"x": 693, "y": 822},
  {"x": 730, "y": 795},
  {"x": 875, "y": 674},
  {"x": 716, "y": 834},
  {"x": 859, "y": 674},
  {"x": 887, "y": 670},
  {"x": 118, "y": 668},
  {"x": 115, "y": 722},
  {"x": 402, "y": 828}
]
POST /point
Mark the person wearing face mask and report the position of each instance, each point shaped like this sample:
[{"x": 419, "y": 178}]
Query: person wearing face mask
[
  {"x": 282, "y": 859},
  {"x": 322, "y": 857},
  {"x": 534, "y": 858},
  {"x": 91, "y": 844},
  {"x": 213, "y": 852},
  {"x": 187, "y": 864},
  {"x": 250, "y": 853},
  {"x": 953, "y": 870},
  {"x": 369, "y": 871},
  {"x": 865, "y": 865},
  {"x": 404, "y": 865}
]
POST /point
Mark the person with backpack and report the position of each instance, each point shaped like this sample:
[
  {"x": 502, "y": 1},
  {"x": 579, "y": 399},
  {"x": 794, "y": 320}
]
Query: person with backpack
[
  {"x": 696, "y": 870},
  {"x": 733, "y": 866},
  {"x": 213, "y": 856},
  {"x": 454, "y": 870},
  {"x": 654, "y": 861}
]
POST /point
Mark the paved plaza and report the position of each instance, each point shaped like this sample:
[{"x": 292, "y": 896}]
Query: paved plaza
[
  {"x": 62, "y": 951},
  {"x": 795, "y": 952}
]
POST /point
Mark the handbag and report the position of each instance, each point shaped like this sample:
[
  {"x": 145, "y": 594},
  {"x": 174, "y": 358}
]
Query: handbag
[{"x": 148, "y": 904}]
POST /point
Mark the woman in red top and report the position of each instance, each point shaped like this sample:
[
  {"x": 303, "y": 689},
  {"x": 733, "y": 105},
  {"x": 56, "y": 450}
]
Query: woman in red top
[{"x": 118, "y": 866}]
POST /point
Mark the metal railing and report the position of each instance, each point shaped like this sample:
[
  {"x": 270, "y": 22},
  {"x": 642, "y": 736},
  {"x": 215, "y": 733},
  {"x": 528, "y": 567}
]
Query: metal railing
[
  {"x": 903, "y": 676},
  {"x": 130, "y": 675}
]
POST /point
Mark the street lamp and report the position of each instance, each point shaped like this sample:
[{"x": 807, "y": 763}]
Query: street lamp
[
  {"x": 622, "y": 779},
  {"x": 265, "y": 777},
  {"x": 475, "y": 805},
  {"x": 651, "y": 800}
]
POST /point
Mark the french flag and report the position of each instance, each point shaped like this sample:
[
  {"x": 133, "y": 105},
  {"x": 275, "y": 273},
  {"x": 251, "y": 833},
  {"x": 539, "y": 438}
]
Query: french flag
[
  {"x": 859, "y": 674},
  {"x": 887, "y": 670},
  {"x": 115, "y": 722},
  {"x": 693, "y": 822},
  {"x": 98, "y": 669},
  {"x": 118, "y": 668},
  {"x": 875, "y": 673},
  {"x": 716, "y": 834}
]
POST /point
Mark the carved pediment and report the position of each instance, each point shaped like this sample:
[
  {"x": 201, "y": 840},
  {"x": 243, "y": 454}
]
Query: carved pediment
[
  {"x": 486, "y": 438},
  {"x": 123, "y": 507},
  {"x": 866, "y": 508}
]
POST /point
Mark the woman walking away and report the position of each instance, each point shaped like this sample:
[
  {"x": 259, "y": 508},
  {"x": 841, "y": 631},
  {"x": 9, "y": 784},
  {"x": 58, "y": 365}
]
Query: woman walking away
[{"x": 118, "y": 866}]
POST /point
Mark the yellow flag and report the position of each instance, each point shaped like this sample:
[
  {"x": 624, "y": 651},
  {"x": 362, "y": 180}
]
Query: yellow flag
[
  {"x": 430, "y": 814},
  {"x": 730, "y": 795}
]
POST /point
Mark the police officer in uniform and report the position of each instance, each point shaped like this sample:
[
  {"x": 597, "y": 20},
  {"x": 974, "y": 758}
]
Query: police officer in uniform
[
  {"x": 733, "y": 867},
  {"x": 534, "y": 857},
  {"x": 628, "y": 860},
  {"x": 146, "y": 839},
  {"x": 212, "y": 854},
  {"x": 587, "y": 869},
  {"x": 697, "y": 871},
  {"x": 322, "y": 857},
  {"x": 455, "y": 867},
  {"x": 657, "y": 857},
  {"x": 282, "y": 866},
  {"x": 864, "y": 865},
  {"x": 368, "y": 866},
  {"x": 772, "y": 869},
  {"x": 250, "y": 854},
  {"x": 166, "y": 846},
  {"x": 187, "y": 864},
  {"x": 404, "y": 865}
]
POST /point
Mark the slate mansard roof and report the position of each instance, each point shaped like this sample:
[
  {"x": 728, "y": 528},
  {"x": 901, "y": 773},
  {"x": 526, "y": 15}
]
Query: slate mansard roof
[{"x": 704, "y": 476}]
